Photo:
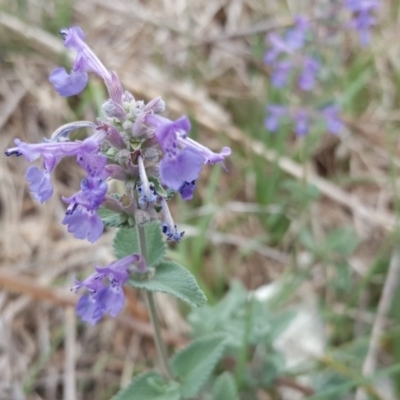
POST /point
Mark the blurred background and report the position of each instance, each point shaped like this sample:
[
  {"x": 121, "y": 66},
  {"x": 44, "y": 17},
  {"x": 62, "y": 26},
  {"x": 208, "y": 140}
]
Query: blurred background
[{"x": 304, "y": 221}]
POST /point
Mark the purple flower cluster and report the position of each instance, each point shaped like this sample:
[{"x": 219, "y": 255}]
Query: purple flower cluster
[
  {"x": 132, "y": 143},
  {"x": 286, "y": 55},
  {"x": 288, "y": 52},
  {"x": 104, "y": 288},
  {"x": 81, "y": 217},
  {"x": 132, "y": 134},
  {"x": 302, "y": 118},
  {"x": 362, "y": 20}
]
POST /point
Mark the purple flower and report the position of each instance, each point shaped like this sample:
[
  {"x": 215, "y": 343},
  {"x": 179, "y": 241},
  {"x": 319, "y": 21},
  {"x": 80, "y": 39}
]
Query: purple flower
[
  {"x": 187, "y": 189},
  {"x": 169, "y": 227},
  {"x": 292, "y": 41},
  {"x": 86, "y": 61},
  {"x": 39, "y": 183},
  {"x": 280, "y": 73},
  {"x": 183, "y": 157},
  {"x": 146, "y": 190},
  {"x": 81, "y": 216},
  {"x": 362, "y": 21},
  {"x": 332, "y": 119},
  {"x": 278, "y": 46},
  {"x": 83, "y": 224},
  {"x": 93, "y": 164},
  {"x": 68, "y": 85},
  {"x": 361, "y": 5},
  {"x": 296, "y": 36},
  {"x": 274, "y": 115},
  {"x": 308, "y": 75},
  {"x": 301, "y": 123},
  {"x": 52, "y": 153},
  {"x": 105, "y": 298}
]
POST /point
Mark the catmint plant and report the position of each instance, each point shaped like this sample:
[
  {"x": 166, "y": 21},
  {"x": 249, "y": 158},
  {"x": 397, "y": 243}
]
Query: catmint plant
[
  {"x": 292, "y": 63},
  {"x": 362, "y": 19},
  {"x": 155, "y": 158},
  {"x": 295, "y": 60}
]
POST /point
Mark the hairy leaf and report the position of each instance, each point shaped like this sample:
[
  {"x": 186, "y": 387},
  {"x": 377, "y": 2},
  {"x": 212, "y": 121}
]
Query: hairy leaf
[
  {"x": 173, "y": 279},
  {"x": 225, "y": 388},
  {"x": 194, "y": 364},
  {"x": 126, "y": 242},
  {"x": 115, "y": 219},
  {"x": 149, "y": 386}
]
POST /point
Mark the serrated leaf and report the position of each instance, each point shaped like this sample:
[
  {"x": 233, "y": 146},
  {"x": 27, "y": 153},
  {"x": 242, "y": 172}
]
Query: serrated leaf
[
  {"x": 149, "y": 386},
  {"x": 194, "y": 364},
  {"x": 126, "y": 242},
  {"x": 175, "y": 280},
  {"x": 225, "y": 388},
  {"x": 115, "y": 219}
]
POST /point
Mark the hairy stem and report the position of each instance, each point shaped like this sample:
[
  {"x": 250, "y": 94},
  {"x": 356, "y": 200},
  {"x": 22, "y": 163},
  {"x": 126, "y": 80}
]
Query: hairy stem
[{"x": 151, "y": 305}]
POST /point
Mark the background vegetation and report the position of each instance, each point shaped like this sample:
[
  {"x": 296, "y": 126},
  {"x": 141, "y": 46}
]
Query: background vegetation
[{"x": 307, "y": 226}]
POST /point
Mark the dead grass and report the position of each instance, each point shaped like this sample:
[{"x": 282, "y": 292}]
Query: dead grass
[{"x": 158, "y": 48}]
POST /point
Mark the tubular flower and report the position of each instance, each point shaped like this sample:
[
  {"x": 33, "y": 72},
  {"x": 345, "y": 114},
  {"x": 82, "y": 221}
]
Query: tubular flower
[
  {"x": 86, "y": 61},
  {"x": 52, "y": 153},
  {"x": 286, "y": 55},
  {"x": 274, "y": 114},
  {"x": 182, "y": 157},
  {"x": 301, "y": 125},
  {"x": 104, "y": 288},
  {"x": 131, "y": 143},
  {"x": 331, "y": 115},
  {"x": 363, "y": 20}
]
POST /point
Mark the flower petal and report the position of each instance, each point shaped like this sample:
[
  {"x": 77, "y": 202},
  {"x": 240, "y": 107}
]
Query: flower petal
[{"x": 68, "y": 84}]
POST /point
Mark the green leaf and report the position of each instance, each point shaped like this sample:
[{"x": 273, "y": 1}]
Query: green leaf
[
  {"x": 114, "y": 219},
  {"x": 342, "y": 241},
  {"x": 173, "y": 279},
  {"x": 149, "y": 386},
  {"x": 225, "y": 388},
  {"x": 307, "y": 240},
  {"x": 126, "y": 242},
  {"x": 194, "y": 364},
  {"x": 159, "y": 188}
]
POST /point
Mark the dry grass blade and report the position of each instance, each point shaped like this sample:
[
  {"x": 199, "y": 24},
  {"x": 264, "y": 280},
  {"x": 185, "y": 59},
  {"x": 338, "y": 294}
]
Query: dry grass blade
[
  {"x": 385, "y": 302},
  {"x": 11, "y": 105},
  {"x": 24, "y": 285},
  {"x": 70, "y": 354}
]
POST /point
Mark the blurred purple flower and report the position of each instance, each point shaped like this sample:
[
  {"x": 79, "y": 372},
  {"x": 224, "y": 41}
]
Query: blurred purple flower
[
  {"x": 301, "y": 126},
  {"x": 307, "y": 77},
  {"x": 288, "y": 43},
  {"x": 288, "y": 46},
  {"x": 296, "y": 36},
  {"x": 280, "y": 73},
  {"x": 274, "y": 115},
  {"x": 104, "y": 299},
  {"x": 278, "y": 46},
  {"x": 363, "y": 20},
  {"x": 332, "y": 119},
  {"x": 182, "y": 157}
]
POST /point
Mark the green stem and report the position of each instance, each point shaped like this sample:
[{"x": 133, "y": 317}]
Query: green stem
[
  {"x": 244, "y": 349},
  {"x": 151, "y": 305}
]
